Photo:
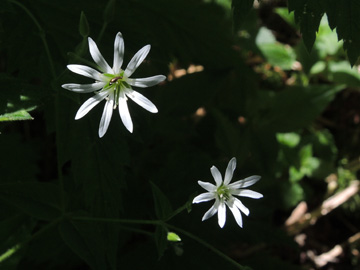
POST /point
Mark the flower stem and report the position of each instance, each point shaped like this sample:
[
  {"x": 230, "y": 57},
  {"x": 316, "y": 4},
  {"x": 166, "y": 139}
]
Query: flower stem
[
  {"x": 57, "y": 105},
  {"x": 209, "y": 246},
  {"x": 41, "y": 33},
  {"x": 160, "y": 222},
  {"x": 18, "y": 247},
  {"x": 116, "y": 220},
  {"x": 102, "y": 31}
]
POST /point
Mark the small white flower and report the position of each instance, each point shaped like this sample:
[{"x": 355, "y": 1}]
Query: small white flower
[
  {"x": 223, "y": 194},
  {"x": 113, "y": 84}
]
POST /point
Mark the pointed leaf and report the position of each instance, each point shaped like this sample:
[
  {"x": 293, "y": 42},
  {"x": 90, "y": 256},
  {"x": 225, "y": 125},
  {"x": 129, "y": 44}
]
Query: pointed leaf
[{"x": 162, "y": 204}]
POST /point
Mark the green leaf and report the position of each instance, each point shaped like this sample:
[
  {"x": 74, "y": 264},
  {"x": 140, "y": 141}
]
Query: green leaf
[
  {"x": 162, "y": 204},
  {"x": 241, "y": 9},
  {"x": 84, "y": 28},
  {"x": 289, "y": 139},
  {"x": 276, "y": 54},
  {"x": 292, "y": 193},
  {"x": 343, "y": 15},
  {"x": 41, "y": 200},
  {"x": 78, "y": 243},
  {"x": 161, "y": 240},
  {"x": 16, "y": 116},
  {"x": 227, "y": 134},
  {"x": 109, "y": 11},
  {"x": 308, "y": 14},
  {"x": 301, "y": 104},
  {"x": 341, "y": 72},
  {"x": 173, "y": 237}
]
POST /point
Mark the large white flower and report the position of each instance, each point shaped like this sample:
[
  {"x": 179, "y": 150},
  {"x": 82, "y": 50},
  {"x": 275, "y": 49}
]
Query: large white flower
[
  {"x": 223, "y": 193},
  {"x": 113, "y": 84}
]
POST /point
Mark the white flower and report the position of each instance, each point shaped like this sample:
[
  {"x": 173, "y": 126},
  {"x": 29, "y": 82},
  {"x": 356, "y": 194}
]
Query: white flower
[
  {"x": 113, "y": 84},
  {"x": 223, "y": 194}
]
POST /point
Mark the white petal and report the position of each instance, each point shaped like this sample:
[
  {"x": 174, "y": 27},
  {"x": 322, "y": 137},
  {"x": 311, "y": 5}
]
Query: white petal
[
  {"x": 208, "y": 186},
  {"x": 204, "y": 197},
  {"x": 141, "y": 100},
  {"x": 236, "y": 213},
  {"x": 84, "y": 88},
  {"x": 86, "y": 71},
  {"x": 146, "y": 82},
  {"x": 247, "y": 193},
  {"x": 241, "y": 206},
  {"x": 221, "y": 214},
  {"x": 118, "y": 53},
  {"x": 212, "y": 211},
  {"x": 136, "y": 60},
  {"x": 230, "y": 171},
  {"x": 106, "y": 116},
  {"x": 98, "y": 58},
  {"x": 217, "y": 175},
  {"x": 245, "y": 182},
  {"x": 124, "y": 112},
  {"x": 90, "y": 103}
]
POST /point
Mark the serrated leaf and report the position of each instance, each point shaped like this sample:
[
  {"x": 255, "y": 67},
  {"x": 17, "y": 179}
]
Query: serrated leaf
[
  {"x": 343, "y": 15},
  {"x": 41, "y": 200},
  {"x": 162, "y": 204},
  {"x": 308, "y": 15},
  {"x": 20, "y": 115}
]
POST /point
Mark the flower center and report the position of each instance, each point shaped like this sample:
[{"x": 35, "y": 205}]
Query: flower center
[
  {"x": 116, "y": 83},
  {"x": 223, "y": 193}
]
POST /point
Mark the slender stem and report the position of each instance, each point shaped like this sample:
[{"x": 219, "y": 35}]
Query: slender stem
[
  {"x": 102, "y": 31},
  {"x": 116, "y": 220},
  {"x": 16, "y": 248},
  {"x": 177, "y": 211},
  {"x": 57, "y": 105},
  {"x": 59, "y": 170},
  {"x": 41, "y": 32},
  {"x": 160, "y": 222},
  {"x": 209, "y": 246}
]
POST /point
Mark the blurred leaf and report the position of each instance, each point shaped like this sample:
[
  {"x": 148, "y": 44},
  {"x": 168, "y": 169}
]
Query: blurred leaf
[
  {"x": 109, "y": 11},
  {"x": 161, "y": 240},
  {"x": 318, "y": 67},
  {"x": 341, "y": 72},
  {"x": 80, "y": 243},
  {"x": 241, "y": 9},
  {"x": 16, "y": 116},
  {"x": 289, "y": 139},
  {"x": 41, "y": 200},
  {"x": 17, "y": 98},
  {"x": 286, "y": 15},
  {"x": 342, "y": 16},
  {"x": 84, "y": 28},
  {"x": 21, "y": 160},
  {"x": 308, "y": 14},
  {"x": 162, "y": 204},
  {"x": 276, "y": 54},
  {"x": 308, "y": 164},
  {"x": 173, "y": 237},
  {"x": 291, "y": 193},
  {"x": 226, "y": 135},
  {"x": 326, "y": 40},
  {"x": 301, "y": 104}
]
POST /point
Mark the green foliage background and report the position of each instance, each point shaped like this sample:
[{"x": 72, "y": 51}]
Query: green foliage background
[{"x": 283, "y": 105}]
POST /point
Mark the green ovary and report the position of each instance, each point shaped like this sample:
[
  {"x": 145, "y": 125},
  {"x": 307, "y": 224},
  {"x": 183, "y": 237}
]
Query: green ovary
[{"x": 223, "y": 193}]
